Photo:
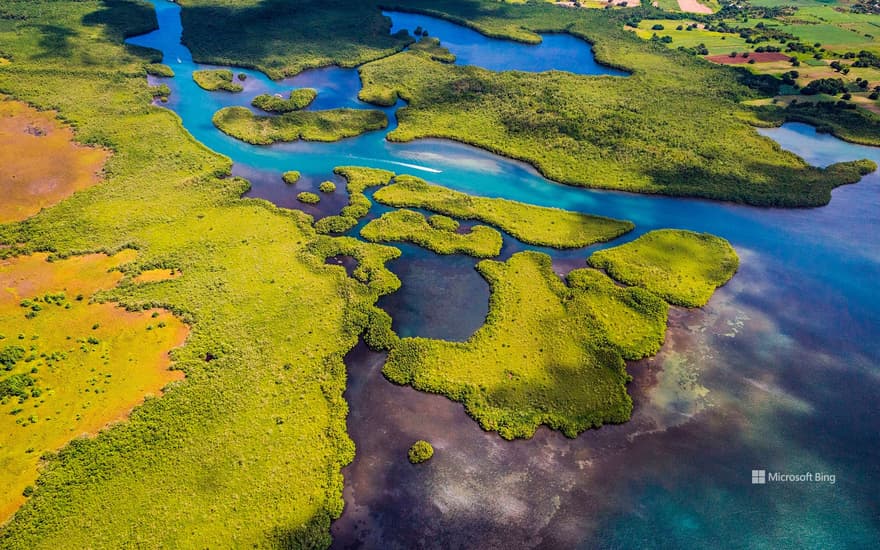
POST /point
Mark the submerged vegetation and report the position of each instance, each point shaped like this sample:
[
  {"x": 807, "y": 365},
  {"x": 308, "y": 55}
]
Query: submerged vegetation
[
  {"x": 330, "y": 125},
  {"x": 252, "y": 443},
  {"x": 683, "y": 267},
  {"x": 216, "y": 79},
  {"x": 406, "y": 225},
  {"x": 298, "y": 99},
  {"x": 530, "y": 224}
]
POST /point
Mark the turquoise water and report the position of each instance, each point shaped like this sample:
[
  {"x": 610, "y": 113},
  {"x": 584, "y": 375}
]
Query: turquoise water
[
  {"x": 778, "y": 371},
  {"x": 556, "y": 52}
]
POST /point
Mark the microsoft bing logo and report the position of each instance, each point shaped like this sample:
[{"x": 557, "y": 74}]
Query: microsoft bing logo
[{"x": 759, "y": 477}]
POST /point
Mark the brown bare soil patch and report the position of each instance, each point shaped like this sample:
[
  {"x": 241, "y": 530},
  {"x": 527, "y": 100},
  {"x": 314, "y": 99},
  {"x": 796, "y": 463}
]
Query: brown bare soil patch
[
  {"x": 693, "y": 6},
  {"x": 80, "y": 365},
  {"x": 40, "y": 164}
]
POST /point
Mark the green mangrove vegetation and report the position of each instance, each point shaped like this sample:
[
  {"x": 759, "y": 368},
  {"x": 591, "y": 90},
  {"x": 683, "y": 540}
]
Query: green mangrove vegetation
[
  {"x": 290, "y": 177},
  {"x": 409, "y": 226},
  {"x": 282, "y": 38},
  {"x": 432, "y": 48},
  {"x": 420, "y": 451},
  {"x": 543, "y": 356},
  {"x": 683, "y": 267},
  {"x": 159, "y": 69},
  {"x": 216, "y": 79},
  {"x": 327, "y": 187},
  {"x": 530, "y": 224},
  {"x": 308, "y": 197},
  {"x": 358, "y": 180},
  {"x": 638, "y": 133},
  {"x": 841, "y": 120},
  {"x": 444, "y": 223},
  {"x": 298, "y": 99},
  {"x": 329, "y": 125},
  {"x": 251, "y": 443}
]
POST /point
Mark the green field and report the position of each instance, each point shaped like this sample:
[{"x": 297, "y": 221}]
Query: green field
[{"x": 716, "y": 42}]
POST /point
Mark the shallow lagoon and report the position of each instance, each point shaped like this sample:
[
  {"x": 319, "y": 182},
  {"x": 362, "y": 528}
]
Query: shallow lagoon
[{"x": 777, "y": 372}]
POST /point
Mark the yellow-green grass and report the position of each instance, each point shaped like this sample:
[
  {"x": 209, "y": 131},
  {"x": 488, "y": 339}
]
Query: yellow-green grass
[
  {"x": 808, "y": 73},
  {"x": 298, "y": 99},
  {"x": 837, "y": 30},
  {"x": 683, "y": 267},
  {"x": 716, "y": 42},
  {"x": 83, "y": 366},
  {"x": 409, "y": 226},
  {"x": 530, "y": 224},
  {"x": 329, "y": 125},
  {"x": 358, "y": 179},
  {"x": 543, "y": 356},
  {"x": 216, "y": 79},
  {"x": 28, "y": 182},
  {"x": 248, "y": 450},
  {"x": 860, "y": 99}
]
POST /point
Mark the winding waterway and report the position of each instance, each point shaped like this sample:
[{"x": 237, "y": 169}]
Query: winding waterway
[{"x": 777, "y": 372}]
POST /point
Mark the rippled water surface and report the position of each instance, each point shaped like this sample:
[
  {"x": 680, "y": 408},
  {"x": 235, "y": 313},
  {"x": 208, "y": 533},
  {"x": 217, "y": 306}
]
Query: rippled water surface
[{"x": 778, "y": 372}]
